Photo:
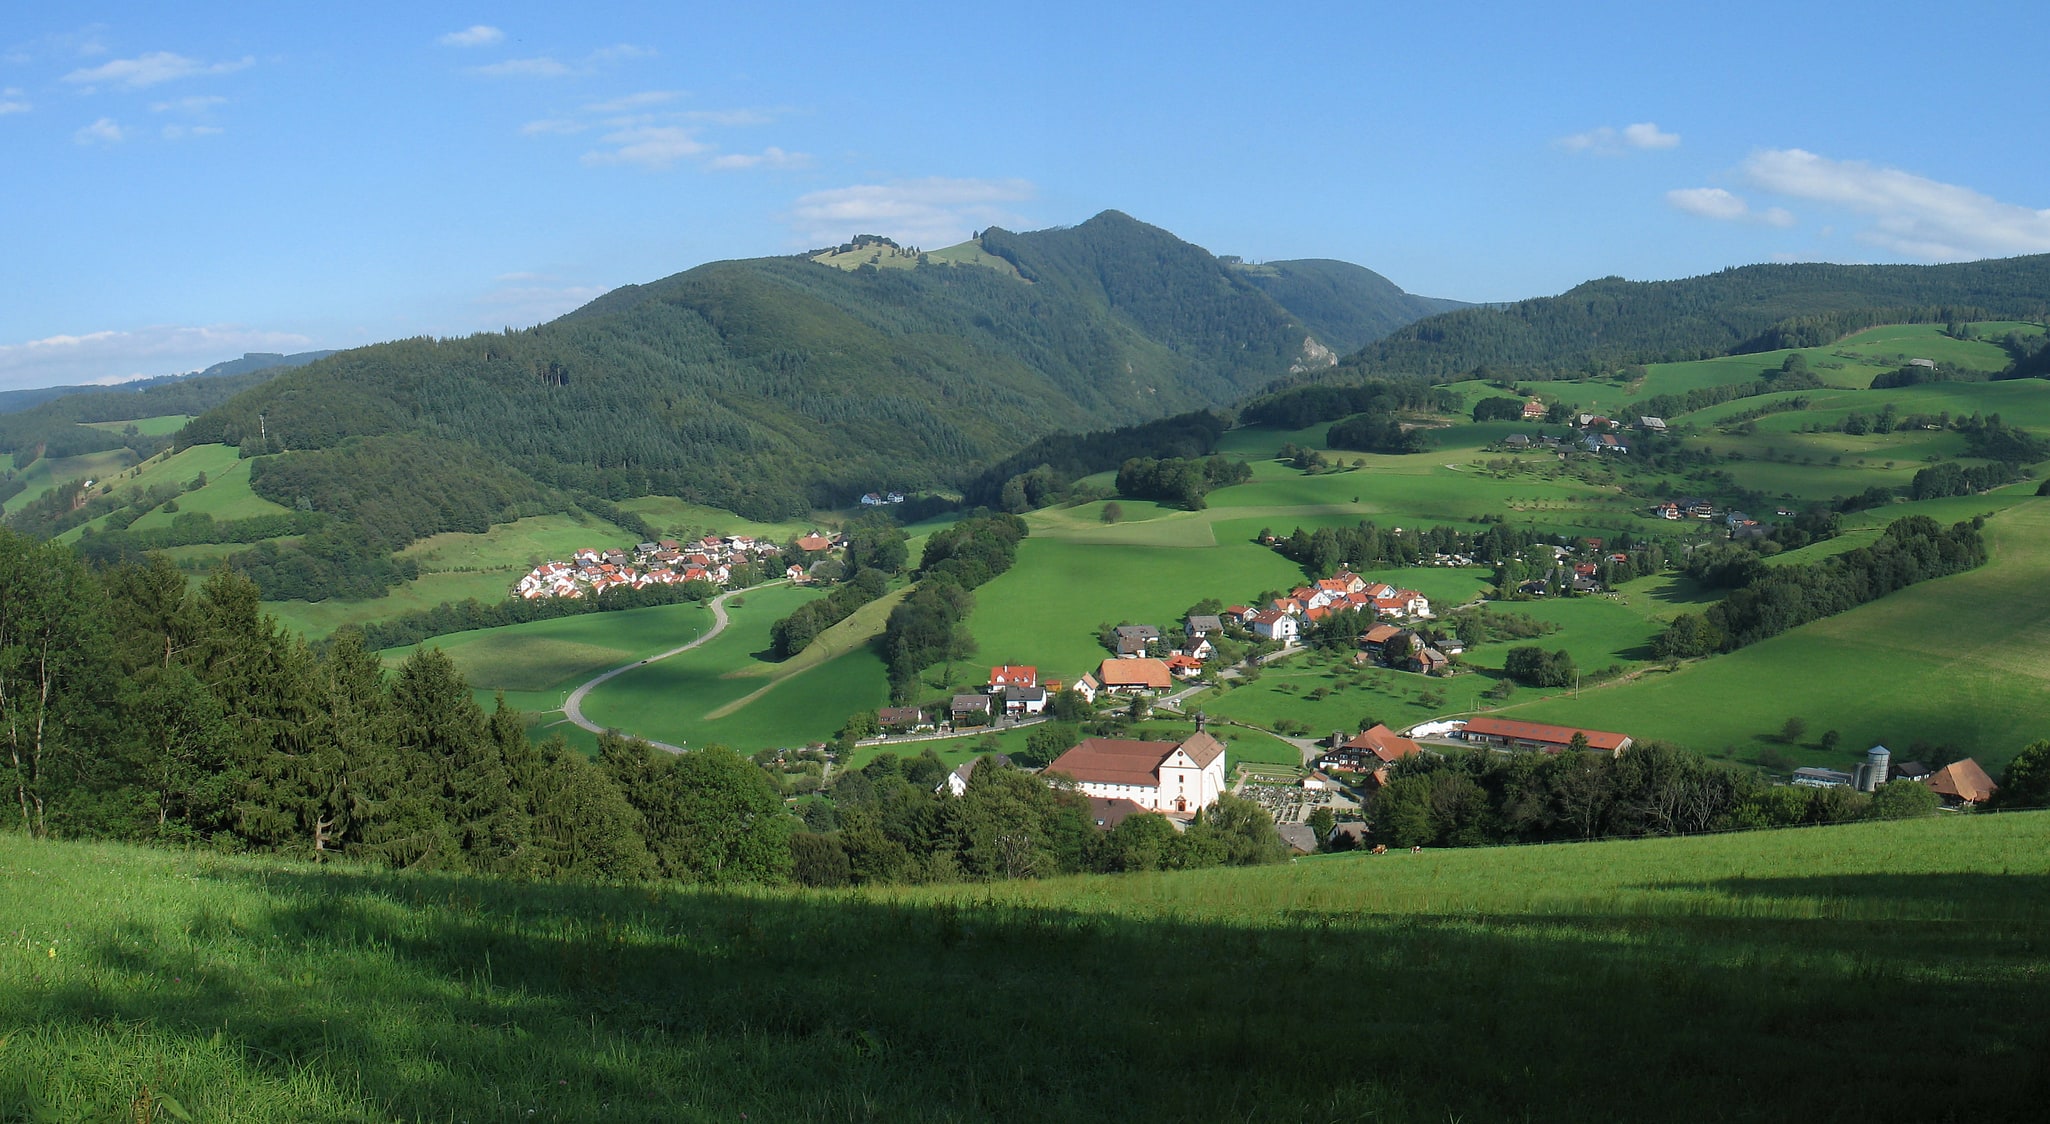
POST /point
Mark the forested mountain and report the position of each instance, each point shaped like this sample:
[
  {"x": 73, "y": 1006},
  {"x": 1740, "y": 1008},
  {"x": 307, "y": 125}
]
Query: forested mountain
[
  {"x": 1611, "y": 322},
  {"x": 1346, "y": 306},
  {"x": 13, "y": 401},
  {"x": 772, "y": 385},
  {"x": 49, "y": 422}
]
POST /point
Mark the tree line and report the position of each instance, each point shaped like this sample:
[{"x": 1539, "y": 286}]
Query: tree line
[
  {"x": 930, "y": 626},
  {"x": 894, "y": 821},
  {"x": 1766, "y": 600},
  {"x": 1180, "y": 481},
  {"x": 1481, "y": 798}
]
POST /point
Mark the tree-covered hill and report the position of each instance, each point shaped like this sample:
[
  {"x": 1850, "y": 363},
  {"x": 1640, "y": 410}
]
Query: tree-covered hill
[
  {"x": 1611, "y": 322},
  {"x": 773, "y": 385},
  {"x": 1346, "y": 306}
]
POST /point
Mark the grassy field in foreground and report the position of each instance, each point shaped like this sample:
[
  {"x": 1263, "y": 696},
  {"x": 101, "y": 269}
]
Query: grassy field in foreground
[
  {"x": 1738, "y": 978},
  {"x": 1957, "y": 661}
]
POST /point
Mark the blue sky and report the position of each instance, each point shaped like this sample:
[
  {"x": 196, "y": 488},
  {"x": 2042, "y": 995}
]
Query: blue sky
[{"x": 184, "y": 186}]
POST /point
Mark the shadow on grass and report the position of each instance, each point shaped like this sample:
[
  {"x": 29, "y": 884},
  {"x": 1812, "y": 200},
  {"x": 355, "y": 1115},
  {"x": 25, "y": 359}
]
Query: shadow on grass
[{"x": 439, "y": 996}]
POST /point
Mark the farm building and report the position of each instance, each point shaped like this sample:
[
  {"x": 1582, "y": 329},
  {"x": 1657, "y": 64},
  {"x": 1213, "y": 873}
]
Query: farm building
[
  {"x": 1177, "y": 777},
  {"x": 1506, "y": 733},
  {"x": 1134, "y": 676},
  {"x": 1962, "y": 782}
]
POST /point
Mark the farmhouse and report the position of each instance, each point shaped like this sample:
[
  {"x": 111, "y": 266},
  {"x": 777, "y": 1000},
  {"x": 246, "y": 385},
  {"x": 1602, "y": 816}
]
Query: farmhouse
[
  {"x": 1508, "y": 733},
  {"x": 814, "y": 542},
  {"x": 1172, "y": 777},
  {"x": 1533, "y": 410},
  {"x": 1134, "y": 676},
  {"x": 1962, "y": 782}
]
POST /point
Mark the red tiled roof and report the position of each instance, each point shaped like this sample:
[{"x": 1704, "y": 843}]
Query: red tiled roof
[
  {"x": 1134, "y": 673},
  {"x": 1541, "y": 732},
  {"x": 1384, "y": 743},
  {"x": 1014, "y": 675},
  {"x": 1114, "y": 761}
]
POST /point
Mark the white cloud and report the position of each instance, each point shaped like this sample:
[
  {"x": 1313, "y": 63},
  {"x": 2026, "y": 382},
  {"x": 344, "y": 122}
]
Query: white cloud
[
  {"x": 478, "y": 35},
  {"x": 197, "y": 104},
  {"x": 117, "y": 356},
  {"x": 1607, "y": 141},
  {"x": 103, "y": 131},
  {"x": 936, "y": 211},
  {"x": 1717, "y": 203},
  {"x": 770, "y": 157},
  {"x": 619, "y": 52},
  {"x": 651, "y": 146},
  {"x": 151, "y": 69},
  {"x": 1911, "y": 215},
  {"x": 542, "y": 67},
  {"x": 186, "y": 132}
]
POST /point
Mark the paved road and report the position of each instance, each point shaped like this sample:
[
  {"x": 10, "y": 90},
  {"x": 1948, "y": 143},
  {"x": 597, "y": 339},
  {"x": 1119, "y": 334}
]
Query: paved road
[{"x": 573, "y": 709}]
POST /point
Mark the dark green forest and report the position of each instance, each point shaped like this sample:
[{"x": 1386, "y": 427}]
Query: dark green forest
[{"x": 1605, "y": 324}]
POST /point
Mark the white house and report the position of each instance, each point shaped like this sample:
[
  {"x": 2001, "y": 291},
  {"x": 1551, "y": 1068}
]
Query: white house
[
  {"x": 1177, "y": 778},
  {"x": 1276, "y": 625}
]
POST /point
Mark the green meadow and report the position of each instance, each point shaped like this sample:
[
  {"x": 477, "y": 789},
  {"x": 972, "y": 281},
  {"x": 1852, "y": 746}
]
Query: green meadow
[
  {"x": 163, "y": 425},
  {"x": 1958, "y": 661},
  {"x": 1729, "y": 978},
  {"x": 726, "y": 692},
  {"x": 226, "y": 494},
  {"x": 48, "y": 473},
  {"x": 1045, "y": 610}
]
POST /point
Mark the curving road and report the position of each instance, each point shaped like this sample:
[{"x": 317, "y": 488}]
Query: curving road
[{"x": 573, "y": 708}]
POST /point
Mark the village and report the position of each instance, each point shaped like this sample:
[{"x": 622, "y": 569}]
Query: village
[
  {"x": 1326, "y": 802},
  {"x": 719, "y": 560}
]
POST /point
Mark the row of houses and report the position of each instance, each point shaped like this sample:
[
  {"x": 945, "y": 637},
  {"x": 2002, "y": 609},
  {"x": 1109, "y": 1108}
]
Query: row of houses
[{"x": 714, "y": 558}]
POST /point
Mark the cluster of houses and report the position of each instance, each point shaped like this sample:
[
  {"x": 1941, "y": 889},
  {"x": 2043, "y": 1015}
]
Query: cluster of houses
[
  {"x": 1591, "y": 432},
  {"x": 593, "y": 572},
  {"x": 1692, "y": 507},
  {"x": 1284, "y": 618}
]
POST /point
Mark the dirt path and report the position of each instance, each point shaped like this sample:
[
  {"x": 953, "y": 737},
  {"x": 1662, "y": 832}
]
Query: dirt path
[{"x": 573, "y": 709}]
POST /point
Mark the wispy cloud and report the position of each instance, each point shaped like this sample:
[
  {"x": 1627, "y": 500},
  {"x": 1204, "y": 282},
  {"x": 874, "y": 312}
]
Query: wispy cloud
[
  {"x": 13, "y": 101},
  {"x": 1609, "y": 141},
  {"x": 633, "y": 103},
  {"x": 477, "y": 35},
  {"x": 187, "y": 132},
  {"x": 540, "y": 67},
  {"x": 1725, "y": 206},
  {"x": 103, "y": 131},
  {"x": 117, "y": 356},
  {"x": 150, "y": 70},
  {"x": 648, "y": 146},
  {"x": 196, "y": 104},
  {"x": 643, "y": 130},
  {"x": 527, "y": 298},
  {"x": 548, "y": 66},
  {"x": 935, "y": 211},
  {"x": 1910, "y": 214},
  {"x": 770, "y": 157}
]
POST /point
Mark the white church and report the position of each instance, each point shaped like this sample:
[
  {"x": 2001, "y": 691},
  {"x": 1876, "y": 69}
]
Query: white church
[{"x": 1178, "y": 778}]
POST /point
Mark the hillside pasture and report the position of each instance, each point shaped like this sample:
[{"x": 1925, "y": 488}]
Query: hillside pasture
[
  {"x": 511, "y": 549},
  {"x": 226, "y": 495},
  {"x": 47, "y": 473},
  {"x": 1045, "y": 610},
  {"x": 164, "y": 425},
  {"x": 1957, "y": 661},
  {"x": 556, "y": 655},
  {"x": 673, "y": 517},
  {"x": 1644, "y": 980},
  {"x": 717, "y": 693}
]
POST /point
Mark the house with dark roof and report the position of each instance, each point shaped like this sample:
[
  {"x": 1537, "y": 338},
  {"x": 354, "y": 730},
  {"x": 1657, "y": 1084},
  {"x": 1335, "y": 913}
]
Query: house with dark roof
[
  {"x": 973, "y": 710},
  {"x": 1178, "y": 778},
  {"x": 902, "y": 719}
]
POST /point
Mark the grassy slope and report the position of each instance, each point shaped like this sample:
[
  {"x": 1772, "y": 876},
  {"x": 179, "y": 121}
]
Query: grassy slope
[
  {"x": 48, "y": 473},
  {"x": 1729, "y": 978},
  {"x": 162, "y": 425},
  {"x": 675, "y": 700},
  {"x": 1957, "y": 661}
]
